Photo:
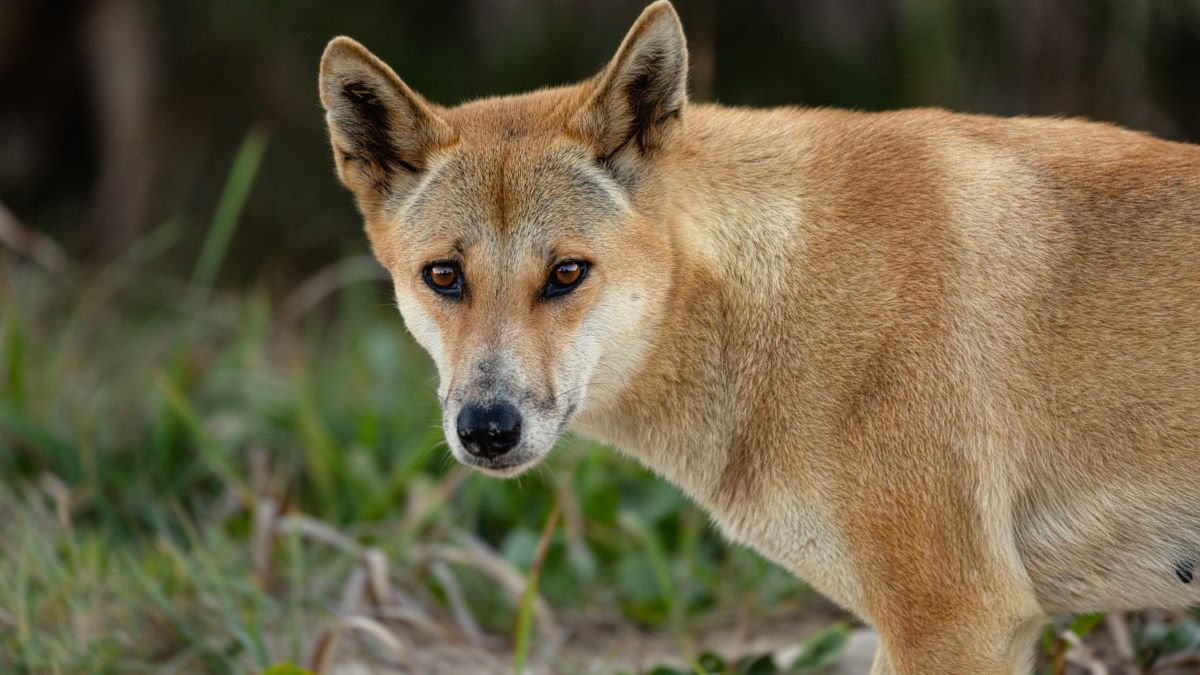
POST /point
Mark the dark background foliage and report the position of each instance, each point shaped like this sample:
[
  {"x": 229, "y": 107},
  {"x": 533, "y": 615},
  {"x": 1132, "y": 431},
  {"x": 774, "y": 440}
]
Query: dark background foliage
[{"x": 119, "y": 114}]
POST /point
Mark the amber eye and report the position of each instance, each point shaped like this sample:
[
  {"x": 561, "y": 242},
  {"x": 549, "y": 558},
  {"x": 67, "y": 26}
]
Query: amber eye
[
  {"x": 445, "y": 278},
  {"x": 565, "y": 277},
  {"x": 567, "y": 273}
]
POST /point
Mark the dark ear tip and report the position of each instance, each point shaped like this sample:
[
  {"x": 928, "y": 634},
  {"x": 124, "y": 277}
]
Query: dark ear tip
[
  {"x": 345, "y": 59},
  {"x": 660, "y": 20},
  {"x": 661, "y": 6},
  {"x": 660, "y": 11},
  {"x": 339, "y": 49}
]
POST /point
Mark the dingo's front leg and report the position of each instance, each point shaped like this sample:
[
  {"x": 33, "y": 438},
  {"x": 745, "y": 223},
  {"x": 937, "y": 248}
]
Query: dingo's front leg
[
  {"x": 949, "y": 610},
  {"x": 987, "y": 652},
  {"x": 941, "y": 577}
]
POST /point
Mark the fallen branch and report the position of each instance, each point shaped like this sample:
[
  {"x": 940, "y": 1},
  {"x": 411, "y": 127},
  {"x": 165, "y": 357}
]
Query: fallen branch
[
  {"x": 30, "y": 243},
  {"x": 324, "y": 654}
]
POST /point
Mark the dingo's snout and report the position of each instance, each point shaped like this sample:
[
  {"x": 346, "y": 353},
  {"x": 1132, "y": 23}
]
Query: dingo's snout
[{"x": 488, "y": 431}]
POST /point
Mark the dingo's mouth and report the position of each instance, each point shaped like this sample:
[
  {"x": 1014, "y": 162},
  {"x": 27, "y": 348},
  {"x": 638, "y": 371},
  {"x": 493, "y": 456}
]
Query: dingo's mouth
[{"x": 507, "y": 466}]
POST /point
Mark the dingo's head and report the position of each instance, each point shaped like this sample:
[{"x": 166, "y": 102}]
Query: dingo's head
[{"x": 527, "y": 253}]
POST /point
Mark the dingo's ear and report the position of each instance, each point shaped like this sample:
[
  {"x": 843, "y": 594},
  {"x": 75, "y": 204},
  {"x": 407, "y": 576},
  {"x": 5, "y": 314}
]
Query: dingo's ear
[
  {"x": 380, "y": 129},
  {"x": 639, "y": 97}
]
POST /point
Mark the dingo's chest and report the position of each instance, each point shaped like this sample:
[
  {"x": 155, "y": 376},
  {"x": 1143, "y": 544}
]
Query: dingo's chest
[{"x": 800, "y": 538}]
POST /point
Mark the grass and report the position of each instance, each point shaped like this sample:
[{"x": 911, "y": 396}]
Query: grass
[
  {"x": 135, "y": 462},
  {"x": 198, "y": 480},
  {"x": 194, "y": 479}
]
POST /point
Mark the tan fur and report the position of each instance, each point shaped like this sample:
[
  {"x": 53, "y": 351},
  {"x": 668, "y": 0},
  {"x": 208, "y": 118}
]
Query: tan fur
[{"x": 944, "y": 367}]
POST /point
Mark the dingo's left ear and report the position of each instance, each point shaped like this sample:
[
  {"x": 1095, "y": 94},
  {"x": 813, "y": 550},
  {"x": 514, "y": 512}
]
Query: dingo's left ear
[
  {"x": 639, "y": 97},
  {"x": 380, "y": 129}
]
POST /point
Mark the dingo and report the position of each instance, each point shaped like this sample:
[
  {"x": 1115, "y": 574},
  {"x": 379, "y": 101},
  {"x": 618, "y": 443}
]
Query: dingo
[{"x": 944, "y": 367}]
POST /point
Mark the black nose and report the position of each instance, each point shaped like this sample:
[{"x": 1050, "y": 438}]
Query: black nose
[{"x": 489, "y": 431}]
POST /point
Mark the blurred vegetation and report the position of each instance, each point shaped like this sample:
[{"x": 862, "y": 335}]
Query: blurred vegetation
[
  {"x": 147, "y": 425},
  {"x": 219, "y": 450},
  {"x": 130, "y": 117}
]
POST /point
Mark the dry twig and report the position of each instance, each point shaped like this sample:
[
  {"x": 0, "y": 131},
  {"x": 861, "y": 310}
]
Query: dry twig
[{"x": 30, "y": 243}]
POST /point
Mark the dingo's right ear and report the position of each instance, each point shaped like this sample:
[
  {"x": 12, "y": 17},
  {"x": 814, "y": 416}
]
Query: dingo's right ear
[
  {"x": 637, "y": 101},
  {"x": 380, "y": 129}
]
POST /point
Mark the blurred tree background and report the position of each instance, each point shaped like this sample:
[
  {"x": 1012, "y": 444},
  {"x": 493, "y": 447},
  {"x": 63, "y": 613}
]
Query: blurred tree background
[
  {"x": 220, "y": 452},
  {"x": 119, "y": 114}
]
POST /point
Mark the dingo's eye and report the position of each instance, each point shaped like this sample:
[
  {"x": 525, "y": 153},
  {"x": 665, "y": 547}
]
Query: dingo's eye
[
  {"x": 565, "y": 277},
  {"x": 445, "y": 278}
]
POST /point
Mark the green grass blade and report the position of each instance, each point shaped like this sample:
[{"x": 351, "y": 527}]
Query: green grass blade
[
  {"x": 525, "y": 613},
  {"x": 212, "y": 453},
  {"x": 14, "y": 351},
  {"x": 229, "y": 209}
]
